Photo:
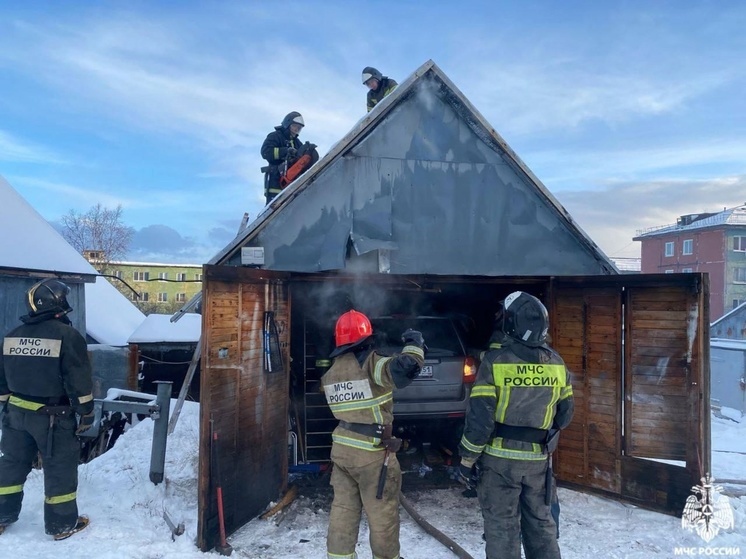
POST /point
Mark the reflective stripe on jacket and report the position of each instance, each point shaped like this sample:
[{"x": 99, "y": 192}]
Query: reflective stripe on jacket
[
  {"x": 362, "y": 394},
  {"x": 518, "y": 393}
]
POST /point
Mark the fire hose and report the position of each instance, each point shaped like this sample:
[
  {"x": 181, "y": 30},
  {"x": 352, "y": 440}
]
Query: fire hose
[{"x": 457, "y": 550}]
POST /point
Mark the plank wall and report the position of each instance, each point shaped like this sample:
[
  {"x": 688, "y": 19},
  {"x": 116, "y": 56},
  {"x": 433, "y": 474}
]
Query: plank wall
[{"x": 247, "y": 406}]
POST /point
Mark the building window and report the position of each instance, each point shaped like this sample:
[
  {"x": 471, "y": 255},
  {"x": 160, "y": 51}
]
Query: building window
[
  {"x": 163, "y": 297},
  {"x": 198, "y": 277},
  {"x": 141, "y": 297},
  {"x": 739, "y": 244},
  {"x": 181, "y": 297},
  {"x": 117, "y": 274},
  {"x": 669, "y": 271},
  {"x": 739, "y": 275},
  {"x": 162, "y": 275},
  {"x": 688, "y": 247},
  {"x": 669, "y": 249},
  {"x": 180, "y": 277},
  {"x": 141, "y": 276},
  {"x": 686, "y": 270},
  {"x": 737, "y": 302}
]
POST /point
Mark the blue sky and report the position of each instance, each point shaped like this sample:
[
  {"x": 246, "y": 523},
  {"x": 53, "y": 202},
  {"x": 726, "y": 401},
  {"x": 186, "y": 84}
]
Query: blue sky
[{"x": 631, "y": 113}]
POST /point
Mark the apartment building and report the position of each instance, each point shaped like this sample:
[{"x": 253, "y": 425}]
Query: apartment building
[
  {"x": 153, "y": 287},
  {"x": 707, "y": 242}
]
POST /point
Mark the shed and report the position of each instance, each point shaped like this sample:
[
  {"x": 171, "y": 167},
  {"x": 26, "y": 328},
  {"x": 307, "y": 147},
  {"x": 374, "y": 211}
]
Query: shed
[
  {"x": 728, "y": 370},
  {"x": 732, "y": 325},
  {"x": 164, "y": 350},
  {"x": 423, "y": 206},
  {"x": 32, "y": 251}
]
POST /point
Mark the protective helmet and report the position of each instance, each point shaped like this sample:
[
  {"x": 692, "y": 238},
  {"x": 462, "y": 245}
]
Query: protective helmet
[
  {"x": 292, "y": 118},
  {"x": 48, "y": 296},
  {"x": 370, "y": 72},
  {"x": 525, "y": 319},
  {"x": 352, "y": 327}
]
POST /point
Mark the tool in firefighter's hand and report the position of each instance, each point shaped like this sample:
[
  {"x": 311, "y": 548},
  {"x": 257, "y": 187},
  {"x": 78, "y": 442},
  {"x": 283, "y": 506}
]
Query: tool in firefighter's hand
[
  {"x": 382, "y": 475},
  {"x": 292, "y": 153},
  {"x": 549, "y": 484},
  {"x": 291, "y": 170}
]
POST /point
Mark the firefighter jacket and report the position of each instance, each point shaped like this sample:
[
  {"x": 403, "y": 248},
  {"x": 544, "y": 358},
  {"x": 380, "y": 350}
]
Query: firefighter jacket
[
  {"x": 364, "y": 394},
  {"x": 46, "y": 363},
  {"x": 519, "y": 387},
  {"x": 385, "y": 87},
  {"x": 276, "y": 144}
]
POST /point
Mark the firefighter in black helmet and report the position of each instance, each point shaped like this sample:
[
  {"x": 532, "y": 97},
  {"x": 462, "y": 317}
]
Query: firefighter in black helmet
[
  {"x": 520, "y": 401},
  {"x": 279, "y": 148},
  {"x": 379, "y": 86},
  {"x": 45, "y": 379}
]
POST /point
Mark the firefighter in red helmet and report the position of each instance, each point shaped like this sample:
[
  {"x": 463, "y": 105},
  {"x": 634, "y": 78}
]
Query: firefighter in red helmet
[{"x": 359, "y": 390}]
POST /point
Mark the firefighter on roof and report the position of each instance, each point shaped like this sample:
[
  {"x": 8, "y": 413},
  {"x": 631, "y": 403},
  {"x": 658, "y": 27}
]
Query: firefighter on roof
[
  {"x": 45, "y": 379},
  {"x": 283, "y": 150},
  {"x": 379, "y": 86},
  {"x": 521, "y": 399},
  {"x": 366, "y": 475}
]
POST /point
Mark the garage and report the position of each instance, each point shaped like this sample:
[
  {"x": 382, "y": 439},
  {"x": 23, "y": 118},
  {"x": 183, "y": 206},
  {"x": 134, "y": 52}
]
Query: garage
[{"x": 423, "y": 209}]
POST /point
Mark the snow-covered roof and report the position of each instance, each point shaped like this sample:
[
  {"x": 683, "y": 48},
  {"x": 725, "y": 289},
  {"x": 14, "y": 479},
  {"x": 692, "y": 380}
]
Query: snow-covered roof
[
  {"x": 159, "y": 328},
  {"x": 31, "y": 243},
  {"x": 737, "y": 309},
  {"x": 722, "y": 343},
  {"x": 729, "y": 216},
  {"x": 110, "y": 317}
]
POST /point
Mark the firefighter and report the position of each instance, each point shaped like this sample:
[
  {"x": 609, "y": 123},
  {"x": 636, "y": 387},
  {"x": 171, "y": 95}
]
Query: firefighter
[
  {"x": 379, "y": 86},
  {"x": 359, "y": 387},
  {"x": 521, "y": 399},
  {"x": 280, "y": 148},
  {"x": 45, "y": 379}
]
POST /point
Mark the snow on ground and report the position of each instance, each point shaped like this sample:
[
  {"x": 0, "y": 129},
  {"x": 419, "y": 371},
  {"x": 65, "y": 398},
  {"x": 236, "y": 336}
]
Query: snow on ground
[{"x": 126, "y": 512}]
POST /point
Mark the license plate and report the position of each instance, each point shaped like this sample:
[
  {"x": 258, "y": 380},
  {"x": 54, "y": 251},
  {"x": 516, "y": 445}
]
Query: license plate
[{"x": 426, "y": 372}]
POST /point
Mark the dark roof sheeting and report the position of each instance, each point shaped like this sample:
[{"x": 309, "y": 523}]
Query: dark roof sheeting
[{"x": 428, "y": 184}]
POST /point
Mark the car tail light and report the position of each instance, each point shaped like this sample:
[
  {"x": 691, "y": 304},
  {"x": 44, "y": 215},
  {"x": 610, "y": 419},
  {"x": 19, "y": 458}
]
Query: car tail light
[{"x": 470, "y": 370}]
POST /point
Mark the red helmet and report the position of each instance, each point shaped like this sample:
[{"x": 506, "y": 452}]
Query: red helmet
[{"x": 352, "y": 327}]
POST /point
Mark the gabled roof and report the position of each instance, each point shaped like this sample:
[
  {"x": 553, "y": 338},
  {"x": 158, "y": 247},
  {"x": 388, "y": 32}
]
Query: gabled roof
[
  {"x": 31, "y": 244},
  {"x": 426, "y": 182}
]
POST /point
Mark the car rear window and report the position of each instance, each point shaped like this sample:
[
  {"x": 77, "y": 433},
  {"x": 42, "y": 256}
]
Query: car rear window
[{"x": 440, "y": 335}]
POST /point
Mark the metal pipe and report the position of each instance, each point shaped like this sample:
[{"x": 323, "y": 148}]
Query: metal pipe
[{"x": 160, "y": 432}]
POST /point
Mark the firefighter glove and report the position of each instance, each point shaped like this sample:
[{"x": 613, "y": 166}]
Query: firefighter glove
[
  {"x": 292, "y": 153},
  {"x": 466, "y": 473},
  {"x": 85, "y": 422},
  {"x": 413, "y": 337}
]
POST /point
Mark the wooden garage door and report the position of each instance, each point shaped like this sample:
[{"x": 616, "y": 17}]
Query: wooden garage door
[
  {"x": 240, "y": 399},
  {"x": 637, "y": 347}
]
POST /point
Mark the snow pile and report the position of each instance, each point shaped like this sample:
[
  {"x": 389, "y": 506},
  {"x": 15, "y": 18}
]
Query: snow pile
[{"x": 126, "y": 512}]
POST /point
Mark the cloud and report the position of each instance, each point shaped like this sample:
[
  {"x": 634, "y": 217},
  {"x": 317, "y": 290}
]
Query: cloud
[
  {"x": 612, "y": 216},
  {"x": 15, "y": 150}
]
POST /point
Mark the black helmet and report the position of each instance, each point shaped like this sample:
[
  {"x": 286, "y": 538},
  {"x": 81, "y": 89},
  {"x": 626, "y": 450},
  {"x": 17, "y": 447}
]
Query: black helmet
[
  {"x": 525, "y": 319},
  {"x": 48, "y": 296},
  {"x": 292, "y": 118},
  {"x": 369, "y": 73}
]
